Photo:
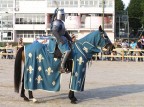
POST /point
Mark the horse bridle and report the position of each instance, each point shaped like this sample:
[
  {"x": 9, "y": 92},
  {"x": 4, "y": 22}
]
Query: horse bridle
[{"x": 104, "y": 35}]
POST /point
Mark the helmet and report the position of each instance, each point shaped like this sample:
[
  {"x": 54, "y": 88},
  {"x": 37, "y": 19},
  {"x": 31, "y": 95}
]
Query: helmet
[{"x": 61, "y": 14}]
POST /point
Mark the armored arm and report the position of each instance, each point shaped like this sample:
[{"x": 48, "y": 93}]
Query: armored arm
[
  {"x": 55, "y": 31},
  {"x": 68, "y": 36}
]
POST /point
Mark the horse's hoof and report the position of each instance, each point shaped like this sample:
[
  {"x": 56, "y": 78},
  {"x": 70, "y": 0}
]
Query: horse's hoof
[
  {"x": 75, "y": 99},
  {"x": 73, "y": 102},
  {"x": 34, "y": 100},
  {"x": 26, "y": 99}
]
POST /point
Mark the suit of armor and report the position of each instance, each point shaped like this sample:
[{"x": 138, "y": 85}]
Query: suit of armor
[{"x": 62, "y": 36}]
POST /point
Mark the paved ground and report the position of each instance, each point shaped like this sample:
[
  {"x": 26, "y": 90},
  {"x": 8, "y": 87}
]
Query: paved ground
[{"x": 108, "y": 84}]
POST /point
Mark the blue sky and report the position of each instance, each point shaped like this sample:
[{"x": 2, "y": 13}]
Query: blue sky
[{"x": 126, "y": 2}]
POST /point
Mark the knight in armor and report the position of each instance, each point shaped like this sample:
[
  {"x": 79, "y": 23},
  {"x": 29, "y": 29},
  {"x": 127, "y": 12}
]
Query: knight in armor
[{"x": 62, "y": 36}]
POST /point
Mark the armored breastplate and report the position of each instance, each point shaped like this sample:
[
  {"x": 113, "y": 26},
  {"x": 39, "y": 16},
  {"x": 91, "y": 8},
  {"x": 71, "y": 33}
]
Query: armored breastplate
[{"x": 61, "y": 27}]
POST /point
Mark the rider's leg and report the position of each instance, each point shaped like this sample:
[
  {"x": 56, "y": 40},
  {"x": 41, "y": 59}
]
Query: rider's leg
[{"x": 65, "y": 57}]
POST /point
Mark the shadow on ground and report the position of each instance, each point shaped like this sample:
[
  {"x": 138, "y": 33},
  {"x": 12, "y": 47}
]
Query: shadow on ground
[
  {"x": 99, "y": 93},
  {"x": 109, "y": 92}
]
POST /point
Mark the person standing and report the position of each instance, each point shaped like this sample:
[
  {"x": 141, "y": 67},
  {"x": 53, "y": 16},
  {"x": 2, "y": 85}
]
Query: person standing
[
  {"x": 142, "y": 42},
  {"x": 20, "y": 43},
  {"x": 9, "y": 50}
]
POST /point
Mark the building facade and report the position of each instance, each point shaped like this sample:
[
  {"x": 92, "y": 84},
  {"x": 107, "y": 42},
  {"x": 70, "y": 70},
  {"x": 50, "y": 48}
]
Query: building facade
[{"x": 28, "y": 19}]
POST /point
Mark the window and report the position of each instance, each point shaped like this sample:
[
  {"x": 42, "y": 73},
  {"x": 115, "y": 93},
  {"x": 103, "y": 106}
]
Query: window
[
  {"x": 96, "y": 3},
  {"x": 100, "y": 3},
  {"x": 75, "y": 3},
  {"x": 91, "y": 2},
  {"x": 110, "y": 3},
  {"x": 30, "y": 19}
]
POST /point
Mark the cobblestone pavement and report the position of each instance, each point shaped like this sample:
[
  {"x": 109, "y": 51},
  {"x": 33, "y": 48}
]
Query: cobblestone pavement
[{"x": 108, "y": 84}]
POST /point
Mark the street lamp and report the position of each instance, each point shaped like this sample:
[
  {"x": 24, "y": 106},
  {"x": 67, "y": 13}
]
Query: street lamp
[
  {"x": 90, "y": 20},
  {"x": 119, "y": 26},
  {"x": 1, "y": 27},
  {"x": 103, "y": 5},
  {"x": 7, "y": 24}
]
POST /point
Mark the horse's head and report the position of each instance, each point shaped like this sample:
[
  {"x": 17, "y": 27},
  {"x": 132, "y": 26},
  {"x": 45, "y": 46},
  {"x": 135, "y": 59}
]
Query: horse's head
[{"x": 108, "y": 44}]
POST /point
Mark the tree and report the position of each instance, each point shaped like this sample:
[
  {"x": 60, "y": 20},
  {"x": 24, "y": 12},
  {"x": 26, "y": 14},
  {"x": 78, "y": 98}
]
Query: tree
[
  {"x": 119, "y": 5},
  {"x": 135, "y": 13},
  {"x": 142, "y": 8},
  {"x": 119, "y": 8}
]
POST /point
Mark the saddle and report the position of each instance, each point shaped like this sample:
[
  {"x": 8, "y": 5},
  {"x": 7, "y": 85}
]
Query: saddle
[{"x": 58, "y": 54}]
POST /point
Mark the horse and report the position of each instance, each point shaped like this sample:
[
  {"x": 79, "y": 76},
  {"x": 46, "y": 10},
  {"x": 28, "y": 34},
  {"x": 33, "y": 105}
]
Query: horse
[{"x": 38, "y": 55}]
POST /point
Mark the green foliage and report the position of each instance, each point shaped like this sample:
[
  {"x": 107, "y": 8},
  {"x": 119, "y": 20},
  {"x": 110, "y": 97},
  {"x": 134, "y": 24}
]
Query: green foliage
[
  {"x": 142, "y": 8},
  {"x": 142, "y": 20},
  {"x": 134, "y": 8},
  {"x": 119, "y": 6},
  {"x": 135, "y": 14},
  {"x": 134, "y": 23}
]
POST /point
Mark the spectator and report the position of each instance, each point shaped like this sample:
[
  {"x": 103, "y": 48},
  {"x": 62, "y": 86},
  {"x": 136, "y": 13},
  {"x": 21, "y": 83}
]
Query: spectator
[
  {"x": 20, "y": 43},
  {"x": 9, "y": 50},
  {"x": 139, "y": 46},
  {"x": 133, "y": 46},
  {"x": 142, "y": 42},
  {"x": 125, "y": 45}
]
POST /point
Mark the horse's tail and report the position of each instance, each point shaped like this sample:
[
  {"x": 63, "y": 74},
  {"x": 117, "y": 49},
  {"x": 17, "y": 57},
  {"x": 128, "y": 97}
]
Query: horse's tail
[{"x": 17, "y": 69}]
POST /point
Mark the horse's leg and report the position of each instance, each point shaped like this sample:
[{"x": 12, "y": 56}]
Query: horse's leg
[
  {"x": 72, "y": 97},
  {"x": 31, "y": 97},
  {"x": 23, "y": 93},
  {"x": 30, "y": 94}
]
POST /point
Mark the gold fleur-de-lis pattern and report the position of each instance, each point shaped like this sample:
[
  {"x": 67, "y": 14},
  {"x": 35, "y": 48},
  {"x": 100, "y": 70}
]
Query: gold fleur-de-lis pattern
[
  {"x": 53, "y": 83},
  {"x": 40, "y": 57},
  {"x": 30, "y": 55},
  {"x": 79, "y": 82},
  {"x": 30, "y": 69},
  {"x": 39, "y": 79},
  {"x": 30, "y": 79},
  {"x": 55, "y": 59},
  {"x": 85, "y": 49},
  {"x": 76, "y": 74},
  {"x": 39, "y": 68},
  {"x": 49, "y": 70},
  {"x": 80, "y": 60}
]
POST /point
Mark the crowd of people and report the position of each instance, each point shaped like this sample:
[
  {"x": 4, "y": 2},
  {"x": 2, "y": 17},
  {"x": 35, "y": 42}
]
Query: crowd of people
[
  {"x": 130, "y": 47},
  {"x": 134, "y": 44}
]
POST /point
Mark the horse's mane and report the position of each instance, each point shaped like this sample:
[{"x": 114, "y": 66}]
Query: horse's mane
[{"x": 93, "y": 36}]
